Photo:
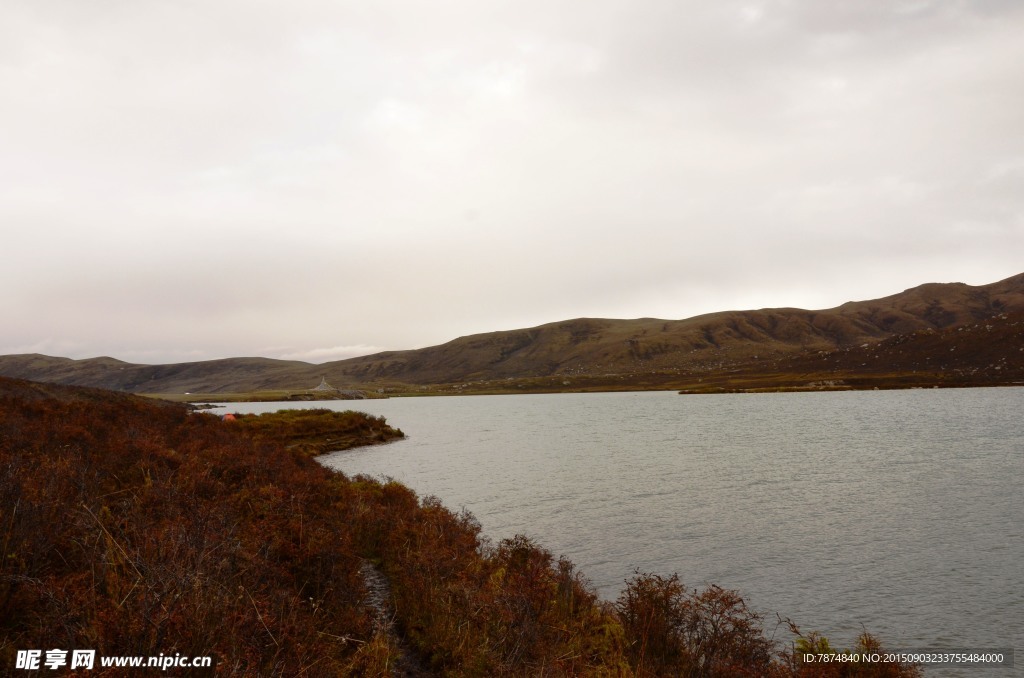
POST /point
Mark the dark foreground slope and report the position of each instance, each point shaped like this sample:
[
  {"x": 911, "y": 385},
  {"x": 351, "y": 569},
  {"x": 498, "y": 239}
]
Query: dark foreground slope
[
  {"x": 580, "y": 354},
  {"x": 135, "y": 529}
]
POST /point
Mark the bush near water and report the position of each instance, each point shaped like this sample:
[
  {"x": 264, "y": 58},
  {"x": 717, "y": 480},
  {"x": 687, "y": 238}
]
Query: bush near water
[{"x": 137, "y": 528}]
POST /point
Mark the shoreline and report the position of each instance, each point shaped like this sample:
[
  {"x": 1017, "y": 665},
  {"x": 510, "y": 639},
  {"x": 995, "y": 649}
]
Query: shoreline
[{"x": 704, "y": 386}]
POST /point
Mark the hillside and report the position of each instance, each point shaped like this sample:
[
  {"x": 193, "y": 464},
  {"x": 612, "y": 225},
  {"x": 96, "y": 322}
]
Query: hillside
[
  {"x": 584, "y": 352},
  {"x": 593, "y": 347}
]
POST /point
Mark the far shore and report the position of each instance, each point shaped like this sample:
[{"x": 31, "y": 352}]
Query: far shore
[{"x": 705, "y": 385}]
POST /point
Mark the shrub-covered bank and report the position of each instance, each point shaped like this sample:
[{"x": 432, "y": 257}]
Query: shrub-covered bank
[
  {"x": 316, "y": 431},
  {"x": 133, "y": 528}
]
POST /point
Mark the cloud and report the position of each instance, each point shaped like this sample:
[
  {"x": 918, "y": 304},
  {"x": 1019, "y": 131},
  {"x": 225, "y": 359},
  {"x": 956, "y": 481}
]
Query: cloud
[
  {"x": 47, "y": 346},
  {"x": 322, "y": 355},
  {"x": 229, "y": 176}
]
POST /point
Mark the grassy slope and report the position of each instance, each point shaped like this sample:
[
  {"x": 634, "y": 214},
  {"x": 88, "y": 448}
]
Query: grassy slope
[{"x": 134, "y": 528}]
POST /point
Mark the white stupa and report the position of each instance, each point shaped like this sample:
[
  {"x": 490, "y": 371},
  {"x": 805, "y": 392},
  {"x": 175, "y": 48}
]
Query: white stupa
[{"x": 325, "y": 387}]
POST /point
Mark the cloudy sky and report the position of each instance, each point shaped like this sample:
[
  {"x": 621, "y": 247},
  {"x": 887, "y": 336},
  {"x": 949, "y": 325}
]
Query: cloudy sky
[{"x": 315, "y": 179}]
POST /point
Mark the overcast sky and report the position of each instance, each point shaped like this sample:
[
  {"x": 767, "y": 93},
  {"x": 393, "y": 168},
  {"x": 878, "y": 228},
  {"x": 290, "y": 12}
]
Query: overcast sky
[{"x": 316, "y": 179}]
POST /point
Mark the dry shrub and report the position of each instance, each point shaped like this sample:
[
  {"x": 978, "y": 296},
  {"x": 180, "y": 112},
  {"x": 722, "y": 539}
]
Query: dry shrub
[{"x": 674, "y": 631}]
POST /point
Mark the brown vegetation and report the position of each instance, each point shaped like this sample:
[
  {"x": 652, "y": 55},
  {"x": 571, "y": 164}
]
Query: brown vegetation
[{"x": 138, "y": 529}]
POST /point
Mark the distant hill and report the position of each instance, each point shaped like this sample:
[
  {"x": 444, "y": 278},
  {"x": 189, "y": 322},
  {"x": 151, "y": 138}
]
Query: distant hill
[
  {"x": 210, "y": 376},
  {"x": 584, "y": 353}
]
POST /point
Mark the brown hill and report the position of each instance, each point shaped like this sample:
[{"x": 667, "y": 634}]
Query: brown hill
[
  {"x": 643, "y": 352},
  {"x": 986, "y": 353}
]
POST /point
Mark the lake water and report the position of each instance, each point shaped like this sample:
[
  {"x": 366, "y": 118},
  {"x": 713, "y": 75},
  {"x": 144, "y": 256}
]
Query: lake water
[{"x": 899, "y": 512}]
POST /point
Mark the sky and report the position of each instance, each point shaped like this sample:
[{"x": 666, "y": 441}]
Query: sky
[{"x": 184, "y": 180}]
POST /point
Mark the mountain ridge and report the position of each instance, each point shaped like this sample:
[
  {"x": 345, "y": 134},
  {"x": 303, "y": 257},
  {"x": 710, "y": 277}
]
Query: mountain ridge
[{"x": 587, "y": 348}]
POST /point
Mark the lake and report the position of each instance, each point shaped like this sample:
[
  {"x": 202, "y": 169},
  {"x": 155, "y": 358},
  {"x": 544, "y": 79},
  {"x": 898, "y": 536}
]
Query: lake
[{"x": 898, "y": 512}]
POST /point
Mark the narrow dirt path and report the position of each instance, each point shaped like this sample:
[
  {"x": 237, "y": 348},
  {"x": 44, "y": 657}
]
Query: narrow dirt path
[{"x": 409, "y": 664}]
